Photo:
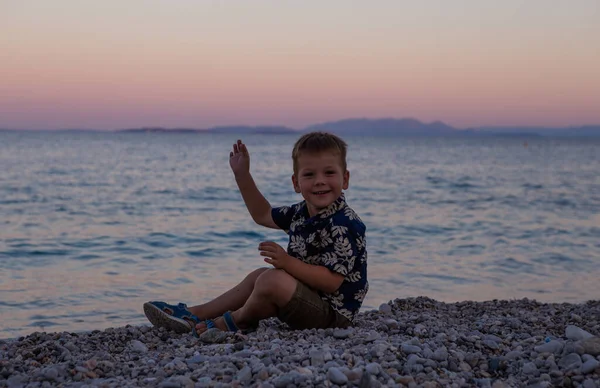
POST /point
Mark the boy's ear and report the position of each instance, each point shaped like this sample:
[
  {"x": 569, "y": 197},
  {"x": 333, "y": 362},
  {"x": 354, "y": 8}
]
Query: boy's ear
[
  {"x": 295, "y": 183},
  {"x": 346, "y": 180}
]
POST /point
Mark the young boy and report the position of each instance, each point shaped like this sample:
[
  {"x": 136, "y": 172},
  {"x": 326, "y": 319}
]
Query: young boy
[{"x": 321, "y": 280}]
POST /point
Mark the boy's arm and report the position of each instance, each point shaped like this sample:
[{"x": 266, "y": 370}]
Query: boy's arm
[
  {"x": 258, "y": 206},
  {"x": 316, "y": 276}
]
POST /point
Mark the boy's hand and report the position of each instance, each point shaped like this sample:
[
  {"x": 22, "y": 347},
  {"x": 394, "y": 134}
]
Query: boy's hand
[
  {"x": 239, "y": 159},
  {"x": 275, "y": 254}
]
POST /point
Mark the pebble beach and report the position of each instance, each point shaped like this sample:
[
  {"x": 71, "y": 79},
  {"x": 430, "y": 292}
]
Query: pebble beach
[{"x": 415, "y": 342}]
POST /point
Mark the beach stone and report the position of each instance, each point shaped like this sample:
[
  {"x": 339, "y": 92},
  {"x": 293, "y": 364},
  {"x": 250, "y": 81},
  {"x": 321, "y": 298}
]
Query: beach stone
[
  {"x": 591, "y": 345},
  {"x": 317, "y": 357},
  {"x": 570, "y": 361},
  {"x": 373, "y": 368},
  {"x": 385, "y": 308},
  {"x": 365, "y": 380},
  {"x": 410, "y": 349},
  {"x": 373, "y": 336},
  {"x": 204, "y": 382},
  {"x": 244, "y": 375},
  {"x": 138, "y": 346},
  {"x": 589, "y": 383},
  {"x": 575, "y": 333},
  {"x": 213, "y": 336},
  {"x": 530, "y": 368},
  {"x": 336, "y": 376},
  {"x": 589, "y": 366},
  {"x": 553, "y": 346},
  {"x": 342, "y": 333}
]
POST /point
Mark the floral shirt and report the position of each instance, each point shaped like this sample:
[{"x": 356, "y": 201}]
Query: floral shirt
[{"x": 334, "y": 238}]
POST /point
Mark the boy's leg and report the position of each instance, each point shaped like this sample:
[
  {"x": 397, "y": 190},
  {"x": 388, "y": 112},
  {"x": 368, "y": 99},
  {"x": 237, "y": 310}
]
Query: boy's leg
[
  {"x": 229, "y": 301},
  {"x": 273, "y": 289}
]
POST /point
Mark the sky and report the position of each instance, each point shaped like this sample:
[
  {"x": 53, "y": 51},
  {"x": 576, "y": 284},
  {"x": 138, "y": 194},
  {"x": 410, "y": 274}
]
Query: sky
[{"x": 116, "y": 64}]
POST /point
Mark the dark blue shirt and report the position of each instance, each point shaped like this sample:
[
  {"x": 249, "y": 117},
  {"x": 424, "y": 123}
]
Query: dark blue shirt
[{"x": 334, "y": 238}]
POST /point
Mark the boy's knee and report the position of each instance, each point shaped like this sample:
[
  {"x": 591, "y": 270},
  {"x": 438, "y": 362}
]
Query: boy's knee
[{"x": 276, "y": 282}]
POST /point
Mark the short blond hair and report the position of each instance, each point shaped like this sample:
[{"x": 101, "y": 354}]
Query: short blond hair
[{"x": 316, "y": 142}]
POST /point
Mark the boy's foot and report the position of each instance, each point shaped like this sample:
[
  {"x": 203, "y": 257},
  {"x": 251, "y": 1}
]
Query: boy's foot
[
  {"x": 172, "y": 317},
  {"x": 224, "y": 323}
]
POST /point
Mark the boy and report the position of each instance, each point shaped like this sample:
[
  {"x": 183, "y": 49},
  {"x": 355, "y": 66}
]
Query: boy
[{"x": 321, "y": 281}]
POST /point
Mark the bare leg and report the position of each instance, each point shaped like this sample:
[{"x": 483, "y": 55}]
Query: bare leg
[
  {"x": 229, "y": 301},
  {"x": 273, "y": 289}
]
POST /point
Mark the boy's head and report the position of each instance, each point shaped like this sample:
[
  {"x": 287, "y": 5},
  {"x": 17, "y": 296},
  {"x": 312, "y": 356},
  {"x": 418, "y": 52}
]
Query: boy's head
[{"x": 320, "y": 171}]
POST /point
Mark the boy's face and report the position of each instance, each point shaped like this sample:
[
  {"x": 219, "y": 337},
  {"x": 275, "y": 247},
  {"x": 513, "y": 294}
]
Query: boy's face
[{"x": 320, "y": 179}]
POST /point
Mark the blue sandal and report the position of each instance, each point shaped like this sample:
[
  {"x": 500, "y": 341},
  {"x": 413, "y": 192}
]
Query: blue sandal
[
  {"x": 173, "y": 317},
  {"x": 230, "y": 324}
]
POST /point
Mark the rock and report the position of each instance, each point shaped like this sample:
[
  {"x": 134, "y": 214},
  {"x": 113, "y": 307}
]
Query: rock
[
  {"x": 385, "y": 308},
  {"x": 589, "y": 366},
  {"x": 440, "y": 354},
  {"x": 336, "y": 376},
  {"x": 574, "y": 333},
  {"x": 317, "y": 357},
  {"x": 554, "y": 346},
  {"x": 138, "y": 347},
  {"x": 530, "y": 368},
  {"x": 244, "y": 375},
  {"x": 373, "y": 336},
  {"x": 365, "y": 380},
  {"x": 342, "y": 333},
  {"x": 213, "y": 336},
  {"x": 373, "y": 368},
  {"x": 570, "y": 361},
  {"x": 410, "y": 349},
  {"x": 591, "y": 346}
]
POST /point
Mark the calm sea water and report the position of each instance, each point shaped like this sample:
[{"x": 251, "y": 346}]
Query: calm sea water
[{"x": 94, "y": 224}]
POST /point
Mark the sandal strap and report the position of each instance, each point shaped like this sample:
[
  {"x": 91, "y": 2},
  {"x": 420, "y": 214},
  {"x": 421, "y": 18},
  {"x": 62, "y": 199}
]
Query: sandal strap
[{"x": 231, "y": 326}]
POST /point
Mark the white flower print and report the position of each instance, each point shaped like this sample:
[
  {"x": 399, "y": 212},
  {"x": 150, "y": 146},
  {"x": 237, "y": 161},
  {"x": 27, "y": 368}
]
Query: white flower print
[
  {"x": 354, "y": 277},
  {"x": 297, "y": 245},
  {"x": 348, "y": 212},
  {"x": 361, "y": 242},
  {"x": 341, "y": 269},
  {"x": 338, "y": 230},
  {"x": 296, "y": 223},
  {"x": 360, "y": 295},
  {"x": 343, "y": 247},
  {"x": 345, "y": 312},
  {"x": 325, "y": 238},
  {"x": 328, "y": 212},
  {"x": 311, "y": 238}
]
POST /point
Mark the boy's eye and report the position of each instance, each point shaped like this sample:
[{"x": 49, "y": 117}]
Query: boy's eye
[
  {"x": 307, "y": 174},
  {"x": 331, "y": 172}
]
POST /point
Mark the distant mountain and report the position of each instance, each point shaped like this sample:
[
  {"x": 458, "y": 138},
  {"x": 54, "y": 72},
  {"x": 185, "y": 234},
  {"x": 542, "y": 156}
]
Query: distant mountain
[
  {"x": 387, "y": 127},
  {"x": 379, "y": 127},
  {"x": 583, "y": 131},
  {"x": 240, "y": 129},
  {"x": 161, "y": 129}
]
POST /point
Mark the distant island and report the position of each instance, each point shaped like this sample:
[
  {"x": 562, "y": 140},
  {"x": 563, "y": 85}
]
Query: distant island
[
  {"x": 389, "y": 127},
  {"x": 374, "y": 127}
]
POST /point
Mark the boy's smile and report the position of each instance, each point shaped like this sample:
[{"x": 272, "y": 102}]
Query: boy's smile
[{"x": 320, "y": 179}]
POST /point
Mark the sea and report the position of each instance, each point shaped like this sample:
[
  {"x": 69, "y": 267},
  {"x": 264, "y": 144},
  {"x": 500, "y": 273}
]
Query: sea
[{"x": 93, "y": 224}]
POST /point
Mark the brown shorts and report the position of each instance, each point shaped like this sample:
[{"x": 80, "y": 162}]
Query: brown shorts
[{"x": 306, "y": 310}]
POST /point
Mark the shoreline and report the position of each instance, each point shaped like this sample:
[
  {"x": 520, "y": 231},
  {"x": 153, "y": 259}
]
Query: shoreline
[{"x": 406, "y": 342}]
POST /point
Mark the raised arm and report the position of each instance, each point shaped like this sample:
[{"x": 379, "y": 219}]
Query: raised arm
[{"x": 258, "y": 207}]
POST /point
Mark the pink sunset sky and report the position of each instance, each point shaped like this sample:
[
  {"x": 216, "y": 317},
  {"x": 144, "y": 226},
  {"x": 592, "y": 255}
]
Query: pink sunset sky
[{"x": 193, "y": 63}]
